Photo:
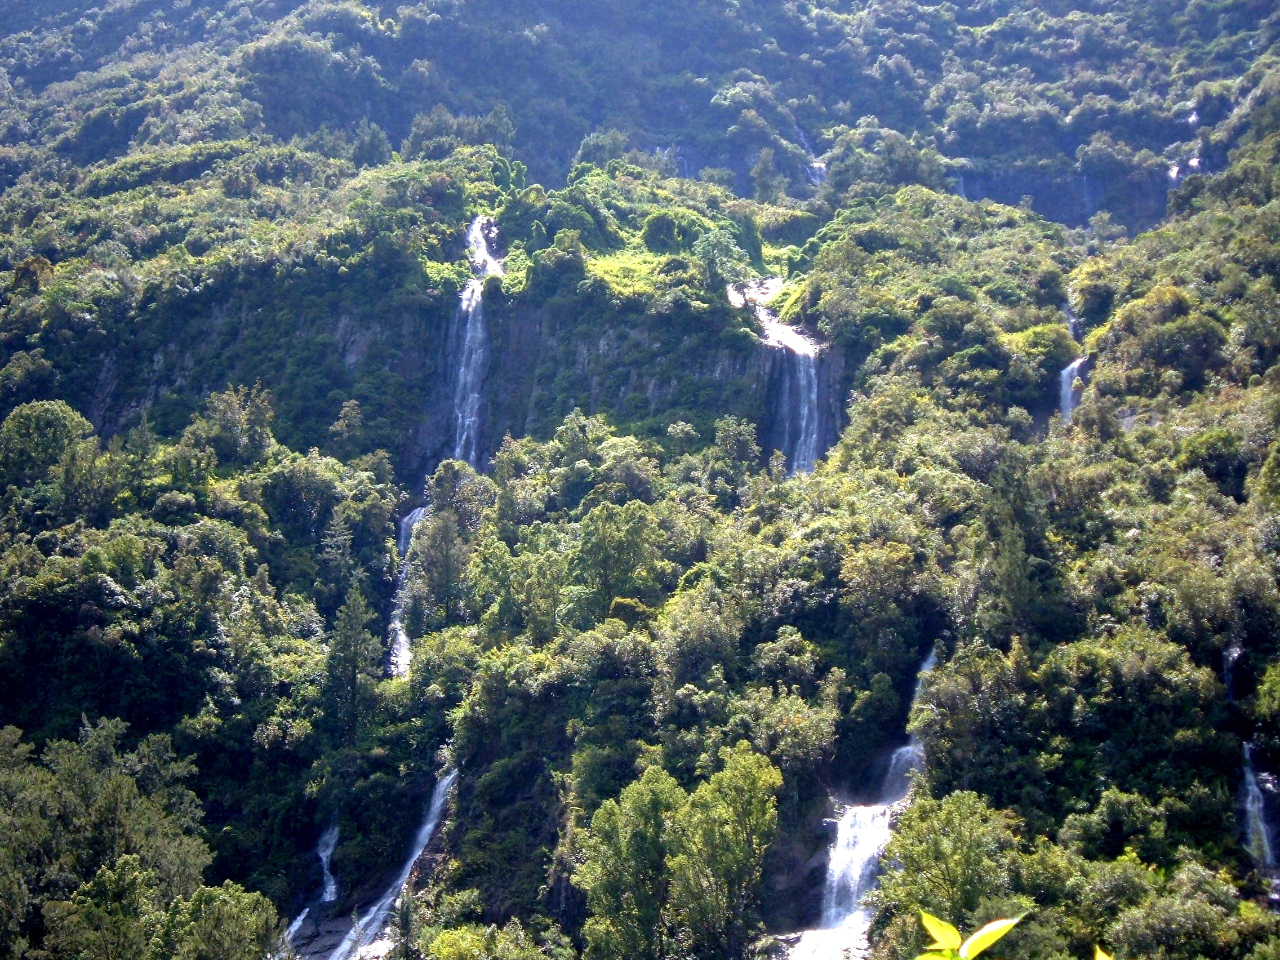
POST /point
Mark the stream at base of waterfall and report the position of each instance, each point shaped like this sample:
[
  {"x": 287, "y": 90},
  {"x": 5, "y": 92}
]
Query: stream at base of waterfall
[{"x": 853, "y": 868}]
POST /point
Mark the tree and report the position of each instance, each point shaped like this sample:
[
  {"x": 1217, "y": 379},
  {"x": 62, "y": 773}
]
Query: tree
[
  {"x": 768, "y": 180},
  {"x": 348, "y": 431},
  {"x": 338, "y": 567},
  {"x": 948, "y": 855},
  {"x": 721, "y": 257},
  {"x": 720, "y": 837},
  {"x": 624, "y": 873},
  {"x": 236, "y": 425},
  {"x": 618, "y": 552},
  {"x": 442, "y": 555},
  {"x": 371, "y": 147},
  {"x": 112, "y": 917},
  {"x": 668, "y": 874},
  {"x": 351, "y": 668},
  {"x": 219, "y": 923},
  {"x": 35, "y": 437}
]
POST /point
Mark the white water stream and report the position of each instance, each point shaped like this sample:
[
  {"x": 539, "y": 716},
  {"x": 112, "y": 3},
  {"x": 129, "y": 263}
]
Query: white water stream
[
  {"x": 368, "y": 937},
  {"x": 475, "y": 345},
  {"x": 1257, "y": 831},
  {"x": 1068, "y": 395},
  {"x": 401, "y": 654},
  {"x": 365, "y": 939},
  {"x": 324, "y": 851},
  {"x": 473, "y": 340},
  {"x": 798, "y": 394},
  {"x": 862, "y": 833},
  {"x": 328, "y": 843},
  {"x": 817, "y": 168}
]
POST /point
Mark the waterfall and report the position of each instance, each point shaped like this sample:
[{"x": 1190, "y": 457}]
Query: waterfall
[
  {"x": 410, "y": 523},
  {"x": 372, "y": 925},
  {"x": 803, "y": 373},
  {"x": 862, "y": 833},
  {"x": 1073, "y": 321},
  {"x": 401, "y": 654},
  {"x": 798, "y": 397},
  {"x": 1068, "y": 396},
  {"x": 1257, "y": 830},
  {"x": 470, "y": 334},
  {"x": 475, "y": 345},
  {"x": 324, "y": 852},
  {"x": 328, "y": 843},
  {"x": 817, "y": 168}
]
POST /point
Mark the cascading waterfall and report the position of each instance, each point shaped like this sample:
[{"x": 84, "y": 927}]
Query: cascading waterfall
[
  {"x": 472, "y": 336},
  {"x": 1257, "y": 830},
  {"x": 324, "y": 852},
  {"x": 367, "y": 937},
  {"x": 1068, "y": 395},
  {"x": 328, "y": 843},
  {"x": 401, "y": 654},
  {"x": 862, "y": 833},
  {"x": 475, "y": 345},
  {"x": 799, "y": 395},
  {"x": 817, "y": 168},
  {"x": 1073, "y": 321}
]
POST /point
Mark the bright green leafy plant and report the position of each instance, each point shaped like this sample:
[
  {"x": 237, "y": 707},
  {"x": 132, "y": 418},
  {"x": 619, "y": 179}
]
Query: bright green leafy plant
[{"x": 949, "y": 943}]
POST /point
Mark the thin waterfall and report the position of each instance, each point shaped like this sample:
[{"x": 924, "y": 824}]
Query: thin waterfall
[
  {"x": 1258, "y": 831},
  {"x": 1068, "y": 395},
  {"x": 475, "y": 345},
  {"x": 401, "y": 655},
  {"x": 853, "y": 870},
  {"x": 372, "y": 925},
  {"x": 1073, "y": 321},
  {"x": 472, "y": 336},
  {"x": 328, "y": 843},
  {"x": 324, "y": 852},
  {"x": 798, "y": 399},
  {"x": 470, "y": 333},
  {"x": 804, "y": 373},
  {"x": 817, "y": 167}
]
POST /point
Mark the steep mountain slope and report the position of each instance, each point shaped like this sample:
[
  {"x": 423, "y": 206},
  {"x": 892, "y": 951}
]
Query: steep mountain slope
[
  {"x": 613, "y": 670},
  {"x": 1083, "y": 107}
]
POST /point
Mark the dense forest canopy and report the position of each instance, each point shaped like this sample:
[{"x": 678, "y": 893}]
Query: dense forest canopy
[{"x": 395, "y": 393}]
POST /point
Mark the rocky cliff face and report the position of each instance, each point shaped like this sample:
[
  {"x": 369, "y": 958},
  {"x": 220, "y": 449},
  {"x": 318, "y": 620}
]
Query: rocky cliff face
[
  {"x": 317, "y": 341},
  {"x": 541, "y": 367}
]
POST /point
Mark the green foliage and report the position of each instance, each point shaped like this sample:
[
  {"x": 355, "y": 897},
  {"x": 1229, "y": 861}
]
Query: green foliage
[
  {"x": 102, "y": 856},
  {"x": 949, "y": 856},
  {"x": 662, "y": 868},
  {"x": 648, "y": 652},
  {"x": 624, "y": 871}
]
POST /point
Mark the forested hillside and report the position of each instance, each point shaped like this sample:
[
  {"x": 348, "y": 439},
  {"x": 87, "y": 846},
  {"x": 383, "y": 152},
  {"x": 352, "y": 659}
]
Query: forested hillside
[{"x": 650, "y": 482}]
